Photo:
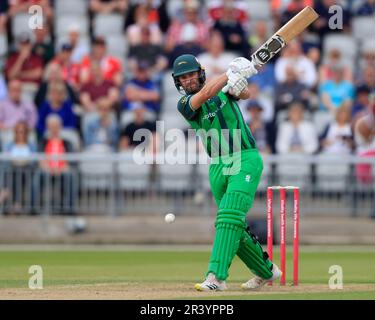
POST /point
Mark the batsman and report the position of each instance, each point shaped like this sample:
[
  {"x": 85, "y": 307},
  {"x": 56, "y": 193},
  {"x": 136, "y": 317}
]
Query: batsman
[{"x": 234, "y": 172}]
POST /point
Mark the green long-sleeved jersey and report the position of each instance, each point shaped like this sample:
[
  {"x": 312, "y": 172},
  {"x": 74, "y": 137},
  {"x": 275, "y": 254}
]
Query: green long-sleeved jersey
[{"x": 219, "y": 123}]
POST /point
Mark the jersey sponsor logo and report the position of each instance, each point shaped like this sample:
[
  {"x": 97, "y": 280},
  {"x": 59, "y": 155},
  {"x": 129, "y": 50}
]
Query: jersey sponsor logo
[{"x": 210, "y": 115}]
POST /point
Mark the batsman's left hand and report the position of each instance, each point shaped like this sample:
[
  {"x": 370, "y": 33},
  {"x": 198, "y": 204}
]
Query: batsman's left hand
[{"x": 243, "y": 66}]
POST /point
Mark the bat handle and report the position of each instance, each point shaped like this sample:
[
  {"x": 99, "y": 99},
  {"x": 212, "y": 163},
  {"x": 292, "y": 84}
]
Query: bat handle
[{"x": 226, "y": 88}]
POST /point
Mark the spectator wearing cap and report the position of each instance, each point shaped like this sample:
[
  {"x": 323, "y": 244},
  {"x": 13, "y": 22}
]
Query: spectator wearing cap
[
  {"x": 43, "y": 45},
  {"x": 258, "y": 127},
  {"x": 336, "y": 92},
  {"x": 53, "y": 73},
  {"x": 142, "y": 89},
  {"x": 23, "y": 64},
  {"x": 127, "y": 140},
  {"x": 70, "y": 71},
  {"x": 57, "y": 103},
  {"x": 215, "y": 60},
  {"x": 233, "y": 32},
  {"x": 79, "y": 48},
  {"x": 108, "y": 6},
  {"x": 177, "y": 31},
  {"x": 98, "y": 91},
  {"x": 291, "y": 90},
  {"x": 142, "y": 20},
  {"x": 296, "y": 135},
  {"x": 101, "y": 128},
  {"x": 153, "y": 54},
  {"x": 293, "y": 56},
  {"x": 111, "y": 66},
  {"x": 14, "y": 109}
]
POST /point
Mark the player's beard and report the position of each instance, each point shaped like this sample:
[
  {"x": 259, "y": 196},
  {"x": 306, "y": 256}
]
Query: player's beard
[{"x": 193, "y": 86}]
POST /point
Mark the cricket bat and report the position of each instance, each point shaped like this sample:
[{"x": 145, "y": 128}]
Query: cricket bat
[{"x": 282, "y": 37}]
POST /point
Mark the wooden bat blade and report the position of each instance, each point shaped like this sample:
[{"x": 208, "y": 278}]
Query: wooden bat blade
[{"x": 297, "y": 24}]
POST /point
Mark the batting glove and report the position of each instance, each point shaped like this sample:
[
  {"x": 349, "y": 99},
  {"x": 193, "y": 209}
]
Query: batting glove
[
  {"x": 236, "y": 83},
  {"x": 243, "y": 66}
]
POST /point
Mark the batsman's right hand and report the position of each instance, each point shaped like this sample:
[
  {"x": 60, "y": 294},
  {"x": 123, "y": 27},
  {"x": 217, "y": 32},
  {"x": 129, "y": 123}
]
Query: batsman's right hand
[{"x": 243, "y": 66}]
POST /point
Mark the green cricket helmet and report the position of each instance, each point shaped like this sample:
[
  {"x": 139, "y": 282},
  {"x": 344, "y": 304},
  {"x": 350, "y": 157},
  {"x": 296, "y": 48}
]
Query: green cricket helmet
[{"x": 184, "y": 64}]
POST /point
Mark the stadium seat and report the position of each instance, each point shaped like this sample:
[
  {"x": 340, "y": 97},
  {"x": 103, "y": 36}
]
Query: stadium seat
[
  {"x": 62, "y": 24},
  {"x": 105, "y": 24},
  {"x": 173, "y": 6},
  {"x": 258, "y": 9},
  {"x": 72, "y": 137},
  {"x": 3, "y": 44},
  {"x": 133, "y": 176},
  {"x": 331, "y": 173},
  {"x": 363, "y": 27},
  {"x": 116, "y": 45},
  {"x": 321, "y": 120},
  {"x": 174, "y": 120},
  {"x": 368, "y": 45},
  {"x": 346, "y": 44},
  {"x": 74, "y": 7},
  {"x": 293, "y": 170},
  {"x": 96, "y": 174},
  {"x": 170, "y": 101},
  {"x": 20, "y": 24},
  {"x": 84, "y": 39},
  {"x": 175, "y": 177}
]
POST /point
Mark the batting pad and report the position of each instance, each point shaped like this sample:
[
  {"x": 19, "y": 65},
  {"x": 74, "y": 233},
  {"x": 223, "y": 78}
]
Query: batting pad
[{"x": 251, "y": 253}]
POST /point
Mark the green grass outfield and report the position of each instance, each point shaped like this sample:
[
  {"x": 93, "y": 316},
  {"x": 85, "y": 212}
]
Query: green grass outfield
[{"x": 157, "y": 273}]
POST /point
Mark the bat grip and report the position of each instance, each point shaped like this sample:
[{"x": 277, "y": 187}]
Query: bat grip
[{"x": 225, "y": 88}]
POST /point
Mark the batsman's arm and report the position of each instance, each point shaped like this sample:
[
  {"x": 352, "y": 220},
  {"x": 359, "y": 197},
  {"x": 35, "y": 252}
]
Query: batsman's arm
[{"x": 209, "y": 90}]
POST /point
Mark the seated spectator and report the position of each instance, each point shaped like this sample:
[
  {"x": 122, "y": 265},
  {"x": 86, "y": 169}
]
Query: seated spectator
[
  {"x": 101, "y": 128},
  {"x": 13, "y": 109},
  {"x": 334, "y": 58},
  {"x": 22, "y": 6},
  {"x": 215, "y": 60},
  {"x": 366, "y": 59},
  {"x": 361, "y": 102},
  {"x": 234, "y": 34},
  {"x": 43, "y": 45},
  {"x": 55, "y": 174},
  {"x": 258, "y": 127},
  {"x": 292, "y": 55},
  {"x": 24, "y": 65},
  {"x": 56, "y": 103},
  {"x": 157, "y": 13},
  {"x": 108, "y": 6},
  {"x": 291, "y": 90},
  {"x": 52, "y": 74},
  {"x": 367, "y": 8},
  {"x": 20, "y": 147},
  {"x": 265, "y": 78},
  {"x": 111, "y": 66},
  {"x": 141, "y": 20},
  {"x": 3, "y": 88},
  {"x": 97, "y": 88},
  {"x": 79, "y": 48},
  {"x": 142, "y": 89},
  {"x": 336, "y": 92},
  {"x": 296, "y": 135},
  {"x": 260, "y": 35},
  {"x": 189, "y": 44},
  {"x": 127, "y": 140},
  {"x": 69, "y": 70},
  {"x": 177, "y": 31},
  {"x": 368, "y": 78},
  {"x": 338, "y": 137},
  {"x": 216, "y": 10},
  {"x": 147, "y": 51},
  {"x": 321, "y": 26}
]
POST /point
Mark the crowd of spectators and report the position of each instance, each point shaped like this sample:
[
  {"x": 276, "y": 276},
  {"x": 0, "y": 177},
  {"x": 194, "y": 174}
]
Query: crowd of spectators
[{"x": 86, "y": 92}]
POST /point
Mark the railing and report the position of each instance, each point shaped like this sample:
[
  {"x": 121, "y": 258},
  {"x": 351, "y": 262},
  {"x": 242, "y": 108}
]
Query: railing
[{"x": 114, "y": 184}]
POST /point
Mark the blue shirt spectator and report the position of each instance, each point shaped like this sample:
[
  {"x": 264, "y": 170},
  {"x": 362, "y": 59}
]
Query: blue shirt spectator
[
  {"x": 56, "y": 103},
  {"x": 336, "y": 92},
  {"x": 101, "y": 128},
  {"x": 265, "y": 78},
  {"x": 142, "y": 89},
  {"x": 367, "y": 9}
]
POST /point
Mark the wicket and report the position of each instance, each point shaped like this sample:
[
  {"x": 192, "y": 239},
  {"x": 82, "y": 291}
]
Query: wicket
[{"x": 296, "y": 208}]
